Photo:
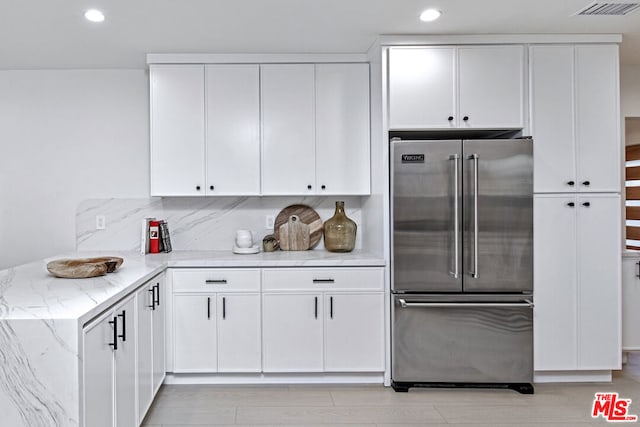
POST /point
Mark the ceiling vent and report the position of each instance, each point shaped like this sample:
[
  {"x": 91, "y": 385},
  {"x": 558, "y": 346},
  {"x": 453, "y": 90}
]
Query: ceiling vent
[{"x": 609, "y": 8}]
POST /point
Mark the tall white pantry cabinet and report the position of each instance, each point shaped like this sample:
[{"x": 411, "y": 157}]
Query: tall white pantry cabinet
[{"x": 575, "y": 123}]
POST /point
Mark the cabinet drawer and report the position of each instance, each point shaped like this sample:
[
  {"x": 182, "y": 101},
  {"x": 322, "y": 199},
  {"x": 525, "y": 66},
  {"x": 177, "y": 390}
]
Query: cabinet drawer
[
  {"x": 313, "y": 279},
  {"x": 216, "y": 280}
]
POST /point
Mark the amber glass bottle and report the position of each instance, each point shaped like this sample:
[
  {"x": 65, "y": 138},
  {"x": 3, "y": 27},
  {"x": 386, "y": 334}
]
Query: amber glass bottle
[{"x": 339, "y": 231}]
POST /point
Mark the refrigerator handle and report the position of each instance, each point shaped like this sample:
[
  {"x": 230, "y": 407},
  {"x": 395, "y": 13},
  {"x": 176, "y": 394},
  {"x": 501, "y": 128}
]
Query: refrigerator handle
[
  {"x": 525, "y": 303},
  {"x": 474, "y": 271},
  {"x": 456, "y": 217}
]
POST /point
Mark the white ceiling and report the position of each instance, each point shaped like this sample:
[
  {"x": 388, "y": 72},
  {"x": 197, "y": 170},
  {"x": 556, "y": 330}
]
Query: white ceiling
[{"x": 54, "y": 34}]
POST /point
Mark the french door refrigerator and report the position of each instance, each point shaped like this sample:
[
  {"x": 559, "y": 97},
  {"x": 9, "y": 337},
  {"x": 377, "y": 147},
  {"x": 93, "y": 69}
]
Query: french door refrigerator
[{"x": 462, "y": 263}]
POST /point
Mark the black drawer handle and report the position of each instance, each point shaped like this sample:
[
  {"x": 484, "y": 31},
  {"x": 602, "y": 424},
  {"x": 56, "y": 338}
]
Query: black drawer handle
[
  {"x": 465, "y": 118},
  {"x": 571, "y": 183},
  {"x": 208, "y": 307},
  {"x": 216, "y": 282},
  {"x": 586, "y": 204},
  {"x": 198, "y": 187},
  {"x": 450, "y": 118},
  {"x": 114, "y": 322},
  {"x": 571, "y": 204},
  {"x": 331, "y": 307},
  {"x": 224, "y": 307},
  {"x": 316, "y": 307},
  {"x": 587, "y": 183},
  {"x": 123, "y": 335},
  {"x": 324, "y": 281},
  {"x": 156, "y": 294},
  {"x": 153, "y": 298}
]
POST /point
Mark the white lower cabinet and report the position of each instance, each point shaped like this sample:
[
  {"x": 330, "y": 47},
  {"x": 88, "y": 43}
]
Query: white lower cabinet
[
  {"x": 577, "y": 282},
  {"x": 353, "y": 338},
  {"x": 278, "y": 320},
  {"x": 150, "y": 336},
  {"x": 323, "y": 320},
  {"x": 292, "y": 332},
  {"x": 109, "y": 368},
  {"x": 218, "y": 330},
  {"x": 123, "y": 359}
]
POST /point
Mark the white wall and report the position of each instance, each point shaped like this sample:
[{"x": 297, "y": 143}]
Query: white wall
[
  {"x": 66, "y": 136},
  {"x": 630, "y": 91}
]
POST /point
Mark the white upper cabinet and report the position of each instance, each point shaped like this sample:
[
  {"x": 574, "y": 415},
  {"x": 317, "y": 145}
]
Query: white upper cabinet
[
  {"x": 422, "y": 88},
  {"x": 479, "y": 87},
  {"x": 233, "y": 129},
  {"x": 251, "y": 129},
  {"x": 177, "y": 130},
  {"x": 491, "y": 87},
  {"x": 288, "y": 126},
  {"x": 598, "y": 118},
  {"x": 342, "y": 129},
  {"x": 575, "y": 118}
]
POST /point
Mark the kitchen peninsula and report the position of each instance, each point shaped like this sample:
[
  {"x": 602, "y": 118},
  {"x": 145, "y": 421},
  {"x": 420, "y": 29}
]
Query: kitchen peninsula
[{"x": 42, "y": 320}]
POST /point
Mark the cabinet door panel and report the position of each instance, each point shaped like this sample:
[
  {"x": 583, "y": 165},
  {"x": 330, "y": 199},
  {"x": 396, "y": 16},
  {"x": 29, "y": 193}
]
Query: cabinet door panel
[
  {"x": 159, "y": 351},
  {"x": 239, "y": 333},
  {"x": 292, "y": 333},
  {"x": 342, "y": 128},
  {"x": 552, "y": 118},
  {"x": 98, "y": 371},
  {"x": 144, "y": 300},
  {"x": 354, "y": 332},
  {"x": 233, "y": 129},
  {"x": 125, "y": 361},
  {"x": 491, "y": 86},
  {"x": 422, "y": 88},
  {"x": 599, "y": 264},
  {"x": 288, "y": 129},
  {"x": 555, "y": 285},
  {"x": 194, "y": 333},
  {"x": 177, "y": 130},
  {"x": 598, "y": 123}
]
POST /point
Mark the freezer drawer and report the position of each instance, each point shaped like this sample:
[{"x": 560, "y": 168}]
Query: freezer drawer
[{"x": 462, "y": 340}]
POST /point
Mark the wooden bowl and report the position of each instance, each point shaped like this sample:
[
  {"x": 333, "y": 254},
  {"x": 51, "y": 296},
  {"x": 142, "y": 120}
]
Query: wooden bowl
[{"x": 82, "y": 268}]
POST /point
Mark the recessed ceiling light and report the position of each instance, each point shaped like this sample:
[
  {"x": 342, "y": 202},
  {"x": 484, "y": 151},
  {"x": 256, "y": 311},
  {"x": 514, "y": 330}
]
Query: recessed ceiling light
[
  {"x": 430, "y": 15},
  {"x": 94, "y": 15}
]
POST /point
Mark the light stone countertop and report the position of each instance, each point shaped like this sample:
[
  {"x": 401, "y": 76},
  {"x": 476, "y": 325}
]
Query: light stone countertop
[{"x": 29, "y": 292}]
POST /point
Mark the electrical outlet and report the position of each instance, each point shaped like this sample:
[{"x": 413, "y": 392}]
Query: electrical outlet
[
  {"x": 101, "y": 222},
  {"x": 269, "y": 222}
]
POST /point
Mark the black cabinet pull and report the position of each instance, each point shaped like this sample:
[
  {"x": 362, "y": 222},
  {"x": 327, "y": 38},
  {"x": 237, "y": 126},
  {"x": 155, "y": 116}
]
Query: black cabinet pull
[
  {"x": 331, "y": 307},
  {"x": 211, "y": 187},
  {"x": 153, "y": 298},
  {"x": 465, "y": 118},
  {"x": 316, "y": 309},
  {"x": 208, "y": 307},
  {"x": 224, "y": 307},
  {"x": 638, "y": 273},
  {"x": 571, "y": 204},
  {"x": 156, "y": 294},
  {"x": 198, "y": 187},
  {"x": 123, "y": 335},
  {"x": 114, "y": 322},
  {"x": 587, "y": 183},
  {"x": 323, "y": 281},
  {"x": 450, "y": 118},
  {"x": 587, "y": 204},
  {"x": 216, "y": 282},
  {"x": 308, "y": 187},
  {"x": 571, "y": 183},
  {"x": 323, "y": 187}
]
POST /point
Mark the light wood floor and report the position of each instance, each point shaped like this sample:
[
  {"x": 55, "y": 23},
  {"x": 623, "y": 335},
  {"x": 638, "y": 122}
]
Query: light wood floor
[{"x": 552, "y": 405}]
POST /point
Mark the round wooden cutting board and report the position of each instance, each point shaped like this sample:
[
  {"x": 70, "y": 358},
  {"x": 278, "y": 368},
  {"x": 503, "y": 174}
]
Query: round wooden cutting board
[{"x": 307, "y": 215}]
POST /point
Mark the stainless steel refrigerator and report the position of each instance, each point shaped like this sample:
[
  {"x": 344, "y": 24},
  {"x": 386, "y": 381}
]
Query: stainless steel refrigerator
[{"x": 462, "y": 263}]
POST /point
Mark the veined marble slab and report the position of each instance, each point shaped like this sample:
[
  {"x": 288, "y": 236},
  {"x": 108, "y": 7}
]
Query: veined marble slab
[{"x": 195, "y": 223}]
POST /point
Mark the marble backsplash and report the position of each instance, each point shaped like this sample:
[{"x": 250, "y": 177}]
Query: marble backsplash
[{"x": 195, "y": 223}]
